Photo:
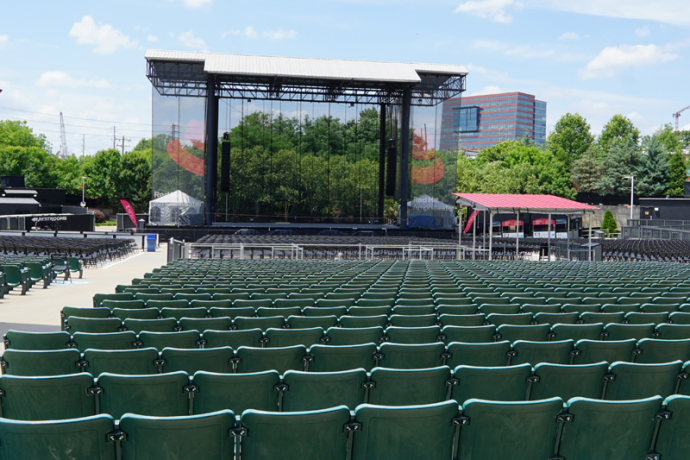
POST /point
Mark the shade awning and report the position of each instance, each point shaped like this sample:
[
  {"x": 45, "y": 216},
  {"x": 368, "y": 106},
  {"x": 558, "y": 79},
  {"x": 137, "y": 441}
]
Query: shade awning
[{"x": 514, "y": 203}]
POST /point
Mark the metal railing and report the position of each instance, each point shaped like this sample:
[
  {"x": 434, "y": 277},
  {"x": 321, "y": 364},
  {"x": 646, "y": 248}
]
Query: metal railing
[{"x": 655, "y": 233}]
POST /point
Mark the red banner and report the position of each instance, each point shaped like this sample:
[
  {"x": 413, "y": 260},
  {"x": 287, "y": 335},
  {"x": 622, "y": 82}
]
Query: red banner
[
  {"x": 544, "y": 222},
  {"x": 512, "y": 223},
  {"x": 130, "y": 212},
  {"x": 470, "y": 221}
]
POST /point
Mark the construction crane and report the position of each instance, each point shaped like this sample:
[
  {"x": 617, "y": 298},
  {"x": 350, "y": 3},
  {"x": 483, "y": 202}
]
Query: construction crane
[
  {"x": 63, "y": 138},
  {"x": 677, "y": 115}
]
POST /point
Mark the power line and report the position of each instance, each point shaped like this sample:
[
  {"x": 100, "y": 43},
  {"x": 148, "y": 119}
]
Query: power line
[
  {"x": 78, "y": 126},
  {"x": 78, "y": 118}
]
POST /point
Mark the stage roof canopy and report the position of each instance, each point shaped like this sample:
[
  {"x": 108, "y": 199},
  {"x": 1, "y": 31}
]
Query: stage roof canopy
[
  {"x": 513, "y": 203},
  {"x": 186, "y": 73}
]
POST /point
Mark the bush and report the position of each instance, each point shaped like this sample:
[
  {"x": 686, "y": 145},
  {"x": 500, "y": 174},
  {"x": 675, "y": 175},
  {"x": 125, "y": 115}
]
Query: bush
[
  {"x": 100, "y": 215},
  {"x": 609, "y": 223}
]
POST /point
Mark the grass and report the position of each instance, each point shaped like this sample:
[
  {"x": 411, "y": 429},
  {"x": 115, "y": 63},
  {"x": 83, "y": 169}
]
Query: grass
[{"x": 109, "y": 223}]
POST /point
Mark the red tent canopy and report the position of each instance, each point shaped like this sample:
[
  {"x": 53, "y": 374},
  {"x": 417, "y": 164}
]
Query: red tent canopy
[
  {"x": 512, "y": 223},
  {"x": 544, "y": 222},
  {"x": 522, "y": 203}
]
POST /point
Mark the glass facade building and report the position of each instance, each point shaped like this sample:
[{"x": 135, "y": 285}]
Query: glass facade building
[{"x": 472, "y": 123}]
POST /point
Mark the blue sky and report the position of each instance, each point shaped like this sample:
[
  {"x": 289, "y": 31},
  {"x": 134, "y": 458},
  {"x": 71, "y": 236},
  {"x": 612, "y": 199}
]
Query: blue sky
[{"x": 595, "y": 57}]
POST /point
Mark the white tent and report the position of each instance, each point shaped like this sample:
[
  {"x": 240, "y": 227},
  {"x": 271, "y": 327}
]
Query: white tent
[
  {"x": 176, "y": 208},
  {"x": 443, "y": 214}
]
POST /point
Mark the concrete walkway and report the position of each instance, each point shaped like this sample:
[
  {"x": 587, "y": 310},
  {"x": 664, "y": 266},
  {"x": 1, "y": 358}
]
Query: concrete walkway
[{"x": 39, "y": 309}]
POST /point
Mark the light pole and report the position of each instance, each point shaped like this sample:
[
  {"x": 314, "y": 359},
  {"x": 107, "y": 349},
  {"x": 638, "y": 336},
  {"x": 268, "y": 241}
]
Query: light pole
[
  {"x": 83, "y": 192},
  {"x": 632, "y": 191}
]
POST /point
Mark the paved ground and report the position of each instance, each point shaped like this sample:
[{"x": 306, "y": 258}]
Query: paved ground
[{"x": 39, "y": 309}]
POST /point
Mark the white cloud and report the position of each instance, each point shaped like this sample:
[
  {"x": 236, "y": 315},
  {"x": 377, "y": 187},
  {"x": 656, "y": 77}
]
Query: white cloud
[
  {"x": 248, "y": 32},
  {"x": 488, "y": 9},
  {"x": 634, "y": 116},
  {"x": 196, "y": 3},
  {"x": 189, "y": 40},
  {"x": 642, "y": 31},
  {"x": 490, "y": 89},
  {"x": 57, "y": 79},
  {"x": 613, "y": 59},
  {"x": 570, "y": 36},
  {"x": 152, "y": 38},
  {"x": 665, "y": 11},
  {"x": 685, "y": 128},
  {"x": 279, "y": 34},
  {"x": 524, "y": 52},
  {"x": 4, "y": 39},
  {"x": 476, "y": 68},
  {"x": 106, "y": 39}
]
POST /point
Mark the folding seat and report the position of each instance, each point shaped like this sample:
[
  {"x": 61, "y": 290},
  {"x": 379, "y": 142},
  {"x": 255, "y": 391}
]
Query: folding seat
[
  {"x": 659, "y": 308},
  {"x": 407, "y": 302},
  {"x": 469, "y": 334},
  {"x": 143, "y": 313},
  {"x": 571, "y": 308},
  {"x": 142, "y": 361},
  {"x": 205, "y": 324},
  {"x": 568, "y": 381},
  {"x": 284, "y": 312},
  {"x": 147, "y": 297},
  {"x": 324, "y": 311},
  {"x": 558, "y": 352},
  {"x": 232, "y": 339},
  {"x": 369, "y": 311},
  {"x": 288, "y": 337},
  {"x": 94, "y": 325},
  {"x": 612, "y": 430},
  {"x": 160, "y": 340},
  {"x": 335, "y": 302},
  {"x": 114, "y": 341},
  {"x": 304, "y": 322},
  {"x": 195, "y": 296},
  {"x": 577, "y": 331},
  {"x": 535, "y": 309},
  {"x": 36, "y": 363},
  {"x": 413, "y": 334},
  {"x": 462, "y": 320},
  {"x": 320, "y": 390},
  {"x": 232, "y": 313},
  {"x": 368, "y": 300},
  {"x": 333, "y": 358},
  {"x": 353, "y": 336},
  {"x": 100, "y": 312},
  {"x": 83, "y": 438},
  {"x": 645, "y": 318},
  {"x": 99, "y": 298},
  {"x": 208, "y": 304},
  {"x": 19, "y": 340},
  {"x": 237, "y": 392},
  {"x": 46, "y": 398},
  {"x": 499, "y": 319},
  {"x": 594, "y": 351},
  {"x": 232, "y": 296},
  {"x": 243, "y": 323},
  {"x": 412, "y": 356},
  {"x": 503, "y": 383},
  {"x": 263, "y": 359},
  {"x": 160, "y": 304},
  {"x": 673, "y": 331},
  {"x": 192, "y": 360},
  {"x": 124, "y": 304},
  {"x": 606, "y": 318},
  {"x": 519, "y": 430},
  {"x": 532, "y": 333},
  {"x": 179, "y": 313},
  {"x": 662, "y": 351},
  {"x": 503, "y": 309},
  {"x": 292, "y": 302},
  {"x": 628, "y": 331},
  {"x": 680, "y": 317},
  {"x": 442, "y": 309},
  {"x": 456, "y": 301},
  {"x": 671, "y": 443},
  {"x": 620, "y": 308},
  {"x": 414, "y": 310},
  {"x": 557, "y": 318},
  {"x": 408, "y": 387},
  {"x": 637, "y": 381},
  {"x": 151, "y": 325},
  {"x": 273, "y": 434},
  {"x": 409, "y": 321},
  {"x": 265, "y": 303}
]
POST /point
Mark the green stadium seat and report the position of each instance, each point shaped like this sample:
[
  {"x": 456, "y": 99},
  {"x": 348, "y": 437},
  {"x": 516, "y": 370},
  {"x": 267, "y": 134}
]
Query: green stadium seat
[
  {"x": 334, "y": 358},
  {"x": 456, "y": 309},
  {"x": 422, "y": 432},
  {"x": 264, "y": 323},
  {"x": 206, "y": 324},
  {"x": 364, "y": 321},
  {"x": 46, "y": 398},
  {"x": 620, "y": 308},
  {"x": 331, "y": 311},
  {"x": 645, "y": 318},
  {"x": 462, "y": 320},
  {"x": 409, "y": 387},
  {"x": 533, "y": 333},
  {"x": 208, "y": 304},
  {"x": 195, "y": 296},
  {"x": 271, "y": 435},
  {"x": 503, "y": 383},
  {"x": 232, "y": 339},
  {"x": 412, "y": 356},
  {"x": 594, "y": 351},
  {"x": 237, "y": 392},
  {"x": 343, "y": 302},
  {"x": 520, "y": 430},
  {"x": 160, "y": 304},
  {"x": 142, "y": 313},
  {"x": 99, "y": 298},
  {"x": 354, "y": 336},
  {"x": 114, "y": 341},
  {"x": 558, "y": 352},
  {"x": 557, "y": 318},
  {"x": 478, "y": 354},
  {"x": 161, "y": 395},
  {"x": 217, "y": 312},
  {"x": 307, "y": 391},
  {"x": 100, "y": 312},
  {"x": 470, "y": 334},
  {"x": 292, "y": 302},
  {"x": 20, "y": 340},
  {"x": 638, "y": 381},
  {"x": 255, "y": 304},
  {"x": 37, "y": 363},
  {"x": 410, "y": 321},
  {"x": 578, "y": 308},
  {"x": 597, "y": 429},
  {"x": 651, "y": 351},
  {"x": 673, "y": 331},
  {"x": 179, "y": 313},
  {"x": 416, "y": 310},
  {"x": 411, "y": 335},
  {"x": 284, "y": 312},
  {"x": 372, "y": 300},
  {"x": 94, "y": 325},
  {"x": 680, "y": 317},
  {"x": 264, "y": 359},
  {"x": 606, "y": 318},
  {"x": 577, "y": 331},
  {"x": 192, "y": 360},
  {"x": 135, "y": 362},
  {"x": 369, "y": 311},
  {"x": 289, "y": 337},
  {"x": 501, "y": 309},
  {"x": 151, "y": 325},
  {"x": 618, "y": 332},
  {"x": 83, "y": 438},
  {"x": 305, "y": 322},
  {"x": 672, "y": 442},
  {"x": 535, "y": 309},
  {"x": 568, "y": 381},
  {"x": 148, "y": 296},
  {"x": 124, "y": 304},
  {"x": 499, "y": 319}
]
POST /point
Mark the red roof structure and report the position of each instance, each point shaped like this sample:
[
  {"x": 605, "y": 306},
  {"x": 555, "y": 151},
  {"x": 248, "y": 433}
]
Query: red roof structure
[{"x": 522, "y": 203}]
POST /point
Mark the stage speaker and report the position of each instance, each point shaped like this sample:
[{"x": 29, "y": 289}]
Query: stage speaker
[
  {"x": 225, "y": 164},
  {"x": 391, "y": 167}
]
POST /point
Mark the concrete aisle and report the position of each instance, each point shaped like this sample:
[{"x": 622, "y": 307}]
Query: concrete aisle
[{"x": 39, "y": 309}]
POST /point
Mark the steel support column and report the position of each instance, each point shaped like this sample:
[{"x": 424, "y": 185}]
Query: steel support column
[
  {"x": 404, "y": 154},
  {"x": 491, "y": 234},
  {"x": 211, "y": 151},
  {"x": 382, "y": 160}
]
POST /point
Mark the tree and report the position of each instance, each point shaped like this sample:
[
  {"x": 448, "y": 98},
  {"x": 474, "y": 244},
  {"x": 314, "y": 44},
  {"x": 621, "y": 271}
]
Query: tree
[
  {"x": 677, "y": 173},
  {"x": 102, "y": 172},
  {"x": 617, "y": 131},
  {"x": 623, "y": 159},
  {"x": 18, "y": 134},
  {"x": 571, "y": 139},
  {"x": 134, "y": 179},
  {"x": 652, "y": 175},
  {"x": 670, "y": 140},
  {"x": 586, "y": 172},
  {"x": 608, "y": 225}
]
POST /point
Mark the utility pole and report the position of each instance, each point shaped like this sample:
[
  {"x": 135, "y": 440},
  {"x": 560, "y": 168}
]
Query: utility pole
[
  {"x": 122, "y": 145},
  {"x": 114, "y": 138}
]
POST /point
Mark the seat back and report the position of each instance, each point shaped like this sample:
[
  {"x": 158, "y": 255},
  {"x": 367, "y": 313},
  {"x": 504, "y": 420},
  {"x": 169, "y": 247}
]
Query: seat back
[
  {"x": 193, "y": 360},
  {"x": 505, "y": 383},
  {"x": 412, "y": 356},
  {"x": 36, "y": 363},
  {"x": 638, "y": 381},
  {"x": 237, "y": 392},
  {"x": 20, "y": 340},
  {"x": 333, "y": 358},
  {"x": 478, "y": 354},
  {"x": 409, "y": 387},
  {"x": 142, "y": 361},
  {"x": 264, "y": 359},
  {"x": 320, "y": 390},
  {"x": 559, "y": 352},
  {"x": 568, "y": 381}
]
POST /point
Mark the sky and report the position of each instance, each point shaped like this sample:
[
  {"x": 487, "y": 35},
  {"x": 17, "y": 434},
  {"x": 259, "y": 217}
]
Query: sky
[{"x": 594, "y": 57}]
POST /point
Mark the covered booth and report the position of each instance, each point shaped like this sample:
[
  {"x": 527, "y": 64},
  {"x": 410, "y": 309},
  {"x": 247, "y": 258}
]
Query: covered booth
[
  {"x": 516, "y": 204},
  {"x": 176, "y": 208},
  {"x": 428, "y": 212}
]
